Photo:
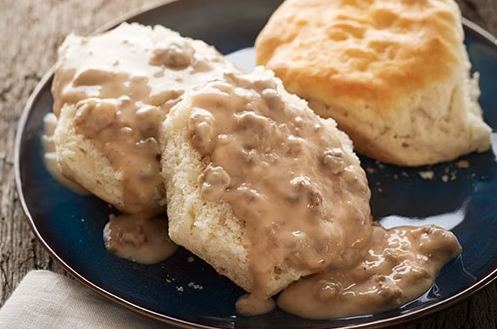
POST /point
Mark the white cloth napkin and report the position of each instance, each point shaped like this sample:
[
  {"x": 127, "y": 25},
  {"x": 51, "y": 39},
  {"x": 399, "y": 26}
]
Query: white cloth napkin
[{"x": 45, "y": 300}]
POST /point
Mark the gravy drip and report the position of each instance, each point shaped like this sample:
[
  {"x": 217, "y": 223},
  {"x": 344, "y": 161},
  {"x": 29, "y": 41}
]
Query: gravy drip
[
  {"x": 400, "y": 265},
  {"x": 249, "y": 304},
  {"x": 138, "y": 238},
  {"x": 277, "y": 166},
  {"x": 303, "y": 201},
  {"x": 123, "y": 84}
]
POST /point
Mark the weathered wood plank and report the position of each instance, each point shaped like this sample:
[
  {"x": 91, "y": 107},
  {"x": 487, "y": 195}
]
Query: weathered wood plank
[{"x": 31, "y": 32}]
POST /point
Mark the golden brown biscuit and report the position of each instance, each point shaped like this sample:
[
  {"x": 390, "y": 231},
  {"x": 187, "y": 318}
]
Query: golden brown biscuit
[{"x": 394, "y": 74}]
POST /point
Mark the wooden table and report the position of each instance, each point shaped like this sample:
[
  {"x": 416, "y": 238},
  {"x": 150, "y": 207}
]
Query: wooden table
[{"x": 32, "y": 30}]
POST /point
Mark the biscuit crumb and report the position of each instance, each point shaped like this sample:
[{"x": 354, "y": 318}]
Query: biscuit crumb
[
  {"x": 180, "y": 288},
  {"x": 195, "y": 286},
  {"x": 395, "y": 176},
  {"x": 380, "y": 189},
  {"x": 370, "y": 170},
  {"x": 473, "y": 175},
  {"x": 462, "y": 164},
  {"x": 404, "y": 174},
  {"x": 445, "y": 178},
  {"x": 378, "y": 183},
  {"x": 82, "y": 220},
  {"x": 168, "y": 281},
  {"x": 190, "y": 259},
  {"x": 426, "y": 174},
  {"x": 112, "y": 216}
]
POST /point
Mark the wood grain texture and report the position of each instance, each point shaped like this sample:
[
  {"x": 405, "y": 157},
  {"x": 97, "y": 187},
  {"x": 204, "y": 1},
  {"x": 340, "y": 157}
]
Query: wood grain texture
[{"x": 31, "y": 32}]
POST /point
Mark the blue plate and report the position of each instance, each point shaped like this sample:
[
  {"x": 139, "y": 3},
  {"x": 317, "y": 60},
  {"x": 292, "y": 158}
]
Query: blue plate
[{"x": 70, "y": 226}]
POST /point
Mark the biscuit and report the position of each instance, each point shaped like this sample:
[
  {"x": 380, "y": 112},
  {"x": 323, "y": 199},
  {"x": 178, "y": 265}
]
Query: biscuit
[
  {"x": 111, "y": 93},
  {"x": 394, "y": 74},
  {"x": 268, "y": 232}
]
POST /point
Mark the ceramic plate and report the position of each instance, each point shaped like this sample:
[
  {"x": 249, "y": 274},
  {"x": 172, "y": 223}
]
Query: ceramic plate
[{"x": 461, "y": 196}]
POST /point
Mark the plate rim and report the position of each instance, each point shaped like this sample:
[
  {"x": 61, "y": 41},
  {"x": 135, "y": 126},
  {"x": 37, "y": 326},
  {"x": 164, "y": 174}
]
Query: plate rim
[{"x": 26, "y": 112}]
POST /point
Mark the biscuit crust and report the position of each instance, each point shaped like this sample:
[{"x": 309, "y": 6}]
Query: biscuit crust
[{"x": 394, "y": 74}]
